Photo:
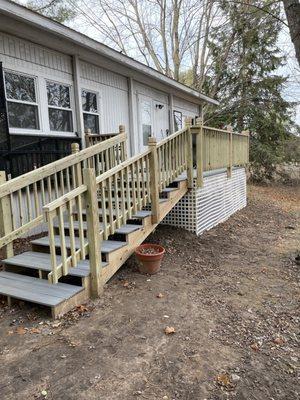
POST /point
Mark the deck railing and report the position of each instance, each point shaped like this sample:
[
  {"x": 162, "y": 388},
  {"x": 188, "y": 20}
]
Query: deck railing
[
  {"x": 22, "y": 198},
  {"x": 66, "y": 189},
  {"x": 94, "y": 138},
  {"x": 110, "y": 199}
]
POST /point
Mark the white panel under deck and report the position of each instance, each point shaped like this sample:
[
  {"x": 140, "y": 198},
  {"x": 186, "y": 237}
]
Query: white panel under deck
[{"x": 203, "y": 208}]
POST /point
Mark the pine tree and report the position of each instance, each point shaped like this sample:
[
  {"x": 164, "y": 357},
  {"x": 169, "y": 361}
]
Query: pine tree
[{"x": 249, "y": 90}]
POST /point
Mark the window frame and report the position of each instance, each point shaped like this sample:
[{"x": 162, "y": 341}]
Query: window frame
[
  {"x": 98, "y": 114},
  {"x": 71, "y": 109},
  {"x": 174, "y": 119},
  {"x": 37, "y": 103}
]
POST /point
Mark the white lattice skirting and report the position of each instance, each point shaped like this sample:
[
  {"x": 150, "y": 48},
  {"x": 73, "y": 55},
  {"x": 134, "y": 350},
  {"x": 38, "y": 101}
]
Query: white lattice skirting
[{"x": 203, "y": 208}]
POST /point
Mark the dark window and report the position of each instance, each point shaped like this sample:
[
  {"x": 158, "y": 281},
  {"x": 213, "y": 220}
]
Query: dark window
[
  {"x": 90, "y": 111},
  {"x": 59, "y": 102},
  {"x": 21, "y": 101},
  {"x": 60, "y": 120}
]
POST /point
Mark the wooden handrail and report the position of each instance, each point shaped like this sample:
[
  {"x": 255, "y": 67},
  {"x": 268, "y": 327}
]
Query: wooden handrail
[
  {"x": 22, "y": 198},
  {"x": 43, "y": 172}
]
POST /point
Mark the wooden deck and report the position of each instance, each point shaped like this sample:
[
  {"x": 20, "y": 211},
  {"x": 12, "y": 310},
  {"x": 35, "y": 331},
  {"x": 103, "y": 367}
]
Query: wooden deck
[{"x": 99, "y": 206}]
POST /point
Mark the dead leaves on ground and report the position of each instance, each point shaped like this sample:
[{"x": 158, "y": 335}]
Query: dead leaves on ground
[
  {"x": 225, "y": 382},
  {"x": 169, "y": 330}
]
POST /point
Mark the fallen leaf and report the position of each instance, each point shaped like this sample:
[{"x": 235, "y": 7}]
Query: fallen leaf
[
  {"x": 81, "y": 308},
  {"x": 169, "y": 330},
  {"x": 224, "y": 380},
  {"x": 63, "y": 356},
  {"x": 21, "y": 330},
  {"x": 44, "y": 393},
  {"x": 34, "y": 330},
  {"x": 159, "y": 295},
  {"x": 126, "y": 284},
  {"x": 254, "y": 346},
  {"x": 279, "y": 341}
]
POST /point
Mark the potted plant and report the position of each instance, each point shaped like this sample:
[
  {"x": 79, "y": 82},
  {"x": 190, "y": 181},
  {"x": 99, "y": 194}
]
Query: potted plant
[{"x": 150, "y": 257}]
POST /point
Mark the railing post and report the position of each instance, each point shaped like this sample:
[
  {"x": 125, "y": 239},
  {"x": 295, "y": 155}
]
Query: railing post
[
  {"x": 189, "y": 154},
  {"x": 78, "y": 171},
  {"x": 6, "y": 224},
  {"x": 229, "y": 168},
  {"x": 87, "y": 137},
  {"x": 123, "y": 144},
  {"x": 154, "y": 184},
  {"x": 247, "y": 133},
  {"x": 93, "y": 230},
  {"x": 199, "y": 152}
]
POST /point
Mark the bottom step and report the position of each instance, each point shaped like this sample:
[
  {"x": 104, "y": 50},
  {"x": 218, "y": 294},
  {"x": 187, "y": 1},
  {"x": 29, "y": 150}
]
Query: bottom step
[{"x": 36, "y": 290}]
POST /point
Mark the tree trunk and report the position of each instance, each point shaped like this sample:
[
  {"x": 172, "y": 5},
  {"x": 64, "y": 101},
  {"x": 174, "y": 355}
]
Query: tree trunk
[{"x": 292, "y": 11}]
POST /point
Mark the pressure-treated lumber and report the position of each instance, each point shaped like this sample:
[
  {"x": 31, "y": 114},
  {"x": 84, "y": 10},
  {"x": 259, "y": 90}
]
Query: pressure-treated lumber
[
  {"x": 154, "y": 183},
  {"x": 6, "y": 226},
  {"x": 93, "y": 232}
]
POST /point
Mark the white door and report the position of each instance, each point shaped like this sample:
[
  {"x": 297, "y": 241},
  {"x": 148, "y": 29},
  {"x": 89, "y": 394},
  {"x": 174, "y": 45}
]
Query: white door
[
  {"x": 161, "y": 120},
  {"x": 145, "y": 121}
]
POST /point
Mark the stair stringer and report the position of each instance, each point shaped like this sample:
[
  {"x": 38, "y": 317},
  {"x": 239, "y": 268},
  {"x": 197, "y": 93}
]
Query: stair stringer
[{"x": 118, "y": 258}]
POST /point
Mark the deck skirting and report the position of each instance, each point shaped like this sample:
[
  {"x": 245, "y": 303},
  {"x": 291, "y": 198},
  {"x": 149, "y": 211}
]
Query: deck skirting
[{"x": 203, "y": 208}]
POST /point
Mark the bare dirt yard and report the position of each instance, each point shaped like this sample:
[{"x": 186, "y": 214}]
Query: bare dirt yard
[{"x": 231, "y": 295}]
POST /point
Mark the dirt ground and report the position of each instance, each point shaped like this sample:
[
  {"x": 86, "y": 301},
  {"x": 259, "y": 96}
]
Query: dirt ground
[{"x": 232, "y": 296}]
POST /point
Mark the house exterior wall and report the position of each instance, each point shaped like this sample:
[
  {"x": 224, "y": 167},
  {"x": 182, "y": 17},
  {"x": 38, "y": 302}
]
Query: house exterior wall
[{"x": 117, "y": 104}]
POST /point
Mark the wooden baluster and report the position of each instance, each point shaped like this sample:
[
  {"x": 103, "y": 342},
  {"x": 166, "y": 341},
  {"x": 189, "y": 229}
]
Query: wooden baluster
[
  {"x": 62, "y": 237},
  {"x": 52, "y": 277},
  {"x": 103, "y": 206},
  {"x": 143, "y": 180},
  {"x": 81, "y": 227},
  {"x": 62, "y": 184},
  {"x": 93, "y": 230},
  {"x": 6, "y": 220},
  {"x": 36, "y": 200},
  {"x": 118, "y": 222},
  {"x": 133, "y": 189},
  {"x": 72, "y": 233},
  {"x": 229, "y": 167},
  {"x": 43, "y": 192},
  {"x": 123, "y": 198},
  {"x": 28, "y": 204},
  {"x": 110, "y": 207},
  {"x": 128, "y": 199},
  {"x": 148, "y": 176},
  {"x": 138, "y": 185},
  {"x": 159, "y": 159},
  {"x": 154, "y": 184},
  {"x": 20, "y": 203},
  {"x": 199, "y": 152},
  {"x": 49, "y": 188},
  {"x": 189, "y": 154}
]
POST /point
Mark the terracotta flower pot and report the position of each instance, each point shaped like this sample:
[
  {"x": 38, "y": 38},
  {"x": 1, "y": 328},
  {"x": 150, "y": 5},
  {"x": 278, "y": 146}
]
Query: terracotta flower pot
[{"x": 150, "y": 257}]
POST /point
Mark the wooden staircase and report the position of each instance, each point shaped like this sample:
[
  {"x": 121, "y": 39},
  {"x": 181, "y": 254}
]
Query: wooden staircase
[
  {"x": 99, "y": 206},
  {"x": 24, "y": 276}
]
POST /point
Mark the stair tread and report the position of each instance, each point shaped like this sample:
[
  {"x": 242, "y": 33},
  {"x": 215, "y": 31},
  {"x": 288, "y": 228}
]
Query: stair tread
[
  {"x": 36, "y": 290},
  {"x": 141, "y": 214},
  {"x": 124, "y": 229},
  {"x": 107, "y": 246},
  {"x": 42, "y": 261},
  {"x": 168, "y": 190}
]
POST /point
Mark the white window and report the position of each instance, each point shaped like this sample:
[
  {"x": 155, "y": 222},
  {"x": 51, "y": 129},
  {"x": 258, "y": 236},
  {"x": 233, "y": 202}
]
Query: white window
[
  {"x": 90, "y": 108},
  {"x": 59, "y": 107},
  {"x": 22, "y": 105}
]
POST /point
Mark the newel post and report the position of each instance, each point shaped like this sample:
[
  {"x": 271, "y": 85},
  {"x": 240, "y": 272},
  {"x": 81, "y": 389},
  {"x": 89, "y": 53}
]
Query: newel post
[
  {"x": 93, "y": 230},
  {"x": 78, "y": 171},
  {"x": 230, "y": 158},
  {"x": 6, "y": 224},
  {"x": 123, "y": 144},
  {"x": 189, "y": 153},
  {"x": 199, "y": 152},
  {"x": 154, "y": 184}
]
